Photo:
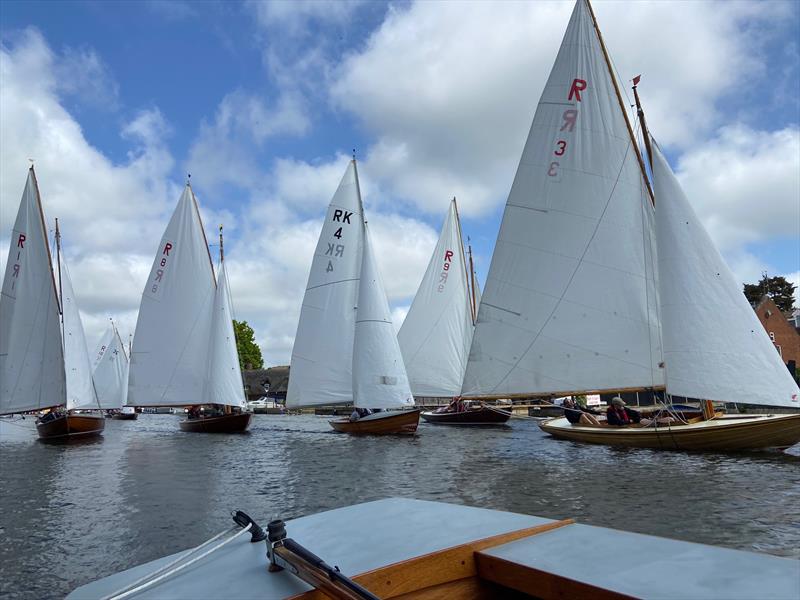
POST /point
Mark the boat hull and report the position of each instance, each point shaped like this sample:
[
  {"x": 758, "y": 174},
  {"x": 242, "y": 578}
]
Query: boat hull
[
  {"x": 480, "y": 416},
  {"x": 755, "y": 432},
  {"x": 68, "y": 427},
  {"x": 232, "y": 423},
  {"x": 384, "y": 423},
  {"x": 125, "y": 416}
]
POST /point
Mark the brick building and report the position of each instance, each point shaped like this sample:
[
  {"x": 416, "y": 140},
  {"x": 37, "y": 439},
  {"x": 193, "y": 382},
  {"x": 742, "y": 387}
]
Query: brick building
[{"x": 781, "y": 331}]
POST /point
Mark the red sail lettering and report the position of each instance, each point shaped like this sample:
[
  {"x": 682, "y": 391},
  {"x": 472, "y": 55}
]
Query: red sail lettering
[
  {"x": 578, "y": 85},
  {"x": 21, "y": 241},
  {"x": 448, "y": 255},
  {"x": 167, "y": 248}
]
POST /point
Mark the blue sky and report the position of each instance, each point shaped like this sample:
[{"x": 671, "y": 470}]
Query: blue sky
[{"x": 264, "y": 101}]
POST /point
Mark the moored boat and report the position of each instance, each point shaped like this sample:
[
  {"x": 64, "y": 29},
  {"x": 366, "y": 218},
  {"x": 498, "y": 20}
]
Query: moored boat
[
  {"x": 480, "y": 414},
  {"x": 126, "y": 413},
  {"x": 405, "y": 548},
  {"x": 386, "y": 422}
]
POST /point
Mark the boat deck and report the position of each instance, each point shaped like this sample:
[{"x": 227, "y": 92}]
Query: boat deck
[{"x": 623, "y": 564}]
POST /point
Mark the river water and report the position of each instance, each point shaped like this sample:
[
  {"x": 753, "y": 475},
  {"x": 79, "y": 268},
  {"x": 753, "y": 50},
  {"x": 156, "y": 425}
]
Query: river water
[{"x": 70, "y": 514}]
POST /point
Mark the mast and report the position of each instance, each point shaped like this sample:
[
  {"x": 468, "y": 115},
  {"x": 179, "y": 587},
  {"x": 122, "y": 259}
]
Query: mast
[
  {"x": 619, "y": 99},
  {"x": 640, "y": 112},
  {"x": 472, "y": 284},
  {"x": 202, "y": 229},
  {"x": 60, "y": 292},
  {"x": 221, "y": 249},
  {"x": 464, "y": 258},
  {"x": 44, "y": 231}
]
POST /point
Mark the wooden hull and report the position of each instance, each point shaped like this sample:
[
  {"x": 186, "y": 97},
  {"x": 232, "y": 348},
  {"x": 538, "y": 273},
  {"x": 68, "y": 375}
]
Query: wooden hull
[
  {"x": 479, "y": 416},
  {"x": 69, "y": 427},
  {"x": 727, "y": 434},
  {"x": 384, "y": 423},
  {"x": 232, "y": 423},
  {"x": 125, "y": 416}
]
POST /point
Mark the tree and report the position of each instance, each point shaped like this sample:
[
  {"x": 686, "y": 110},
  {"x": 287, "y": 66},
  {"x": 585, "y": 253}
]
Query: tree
[
  {"x": 777, "y": 288},
  {"x": 249, "y": 352}
]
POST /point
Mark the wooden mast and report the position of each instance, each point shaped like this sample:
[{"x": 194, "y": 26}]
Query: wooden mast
[
  {"x": 640, "y": 112},
  {"x": 621, "y": 103},
  {"x": 464, "y": 259},
  {"x": 60, "y": 291},
  {"x": 221, "y": 248},
  {"x": 472, "y": 284}
]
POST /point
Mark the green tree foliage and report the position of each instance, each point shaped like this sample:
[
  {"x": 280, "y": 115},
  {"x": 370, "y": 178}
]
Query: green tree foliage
[
  {"x": 777, "y": 288},
  {"x": 249, "y": 352}
]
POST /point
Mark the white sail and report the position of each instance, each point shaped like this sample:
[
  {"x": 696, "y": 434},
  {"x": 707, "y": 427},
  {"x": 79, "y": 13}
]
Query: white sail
[
  {"x": 110, "y": 374},
  {"x": 715, "y": 348},
  {"x": 31, "y": 355},
  {"x": 321, "y": 367},
  {"x": 170, "y": 346},
  {"x": 77, "y": 365},
  {"x": 224, "y": 385},
  {"x": 437, "y": 331},
  {"x": 570, "y": 299},
  {"x": 379, "y": 375}
]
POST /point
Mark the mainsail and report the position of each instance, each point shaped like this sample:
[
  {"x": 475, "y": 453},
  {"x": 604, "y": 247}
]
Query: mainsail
[
  {"x": 31, "y": 355},
  {"x": 224, "y": 385},
  {"x": 379, "y": 375},
  {"x": 437, "y": 331},
  {"x": 170, "y": 347},
  {"x": 570, "y": 298},
  {"x": 715, "y": 348},
  {"x": 321, "y": 367},
  {"x": 111, "y": 370},
  {"x": 77, "y": 365}
]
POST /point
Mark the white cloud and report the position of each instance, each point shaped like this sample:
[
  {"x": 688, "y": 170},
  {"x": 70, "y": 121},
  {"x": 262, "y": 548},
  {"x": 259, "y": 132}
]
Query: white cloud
[
  {"x": 448, "y": 89},
  {"x": 745, "y": 185},
  {"x": 294, "y": 17}
]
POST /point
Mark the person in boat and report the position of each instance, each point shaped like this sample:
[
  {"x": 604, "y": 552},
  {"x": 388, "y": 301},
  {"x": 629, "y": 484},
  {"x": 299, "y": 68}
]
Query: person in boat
[
  {"x": 359, "y": 413},
  {"x": 620, "y": 415},
  {"x": 577, "y": 414},
  {"x": 194, "y": 412}
]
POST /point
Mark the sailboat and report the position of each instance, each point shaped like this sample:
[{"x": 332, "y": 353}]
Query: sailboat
[
  {"x": 597, "y": 285},
  {"x": 184, "y": 350},
  {"x": 110, "y": 374},
  {"x": 44, "y": 363},
  {"x": 437, "y": 332},
  {"x": 346, "y": 349}
]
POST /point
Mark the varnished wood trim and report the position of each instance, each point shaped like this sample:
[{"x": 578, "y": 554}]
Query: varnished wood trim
[
  {"x": 436, "y": 568},
  {"x": 538, "y": 583}
]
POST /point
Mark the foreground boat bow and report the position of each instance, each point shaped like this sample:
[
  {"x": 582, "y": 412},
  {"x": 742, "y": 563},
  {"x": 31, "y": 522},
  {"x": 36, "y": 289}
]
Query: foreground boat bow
[{"x": 466, "y": 552}]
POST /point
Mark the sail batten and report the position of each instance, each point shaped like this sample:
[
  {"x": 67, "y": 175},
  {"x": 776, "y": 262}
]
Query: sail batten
[
  {"x": 715, "y": 347},
  {"x": 568, "y": 301},
  {"x": 437, "y": 331},
  {"x": 321, "y": 364},
  {"x": 31, "y": 354}
]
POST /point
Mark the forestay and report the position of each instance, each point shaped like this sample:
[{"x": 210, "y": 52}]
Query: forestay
[
  {"x": 111, "y": 371},
  {"x": 379, "y": 375},
  {"x": 714, "y": 345},
  {"x": 77, "y": 365},
  {"x": 31, "y": 355},
  {"x": 170, "y": 347},
  {"x": 570, "y": 298},
  {"x": 224, "y": 385},
  {"x": 437, "y": 331},
  {"x": 321, "y": 366}
]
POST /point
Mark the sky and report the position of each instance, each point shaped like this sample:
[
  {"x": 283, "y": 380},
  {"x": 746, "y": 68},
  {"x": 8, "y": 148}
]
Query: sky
[{"x": 263, "y": 103}]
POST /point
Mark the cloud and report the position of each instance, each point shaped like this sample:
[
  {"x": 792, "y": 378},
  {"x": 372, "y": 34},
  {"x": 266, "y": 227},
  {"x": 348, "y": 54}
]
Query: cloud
[
  {"x": 448, "y": 89},
  {"x": 745, "y": 185},
  {"x": 297, "y": 16}
]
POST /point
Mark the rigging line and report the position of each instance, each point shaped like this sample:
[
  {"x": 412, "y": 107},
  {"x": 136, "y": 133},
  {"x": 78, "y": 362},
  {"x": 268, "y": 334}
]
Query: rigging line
[
  {"x": 321, "y": 285},
  {"x": 575, "y": 270}
]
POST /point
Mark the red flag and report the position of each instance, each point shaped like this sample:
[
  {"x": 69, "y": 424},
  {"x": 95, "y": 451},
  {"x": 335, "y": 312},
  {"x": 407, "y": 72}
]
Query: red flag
[{"x": 637, "y": 79}]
